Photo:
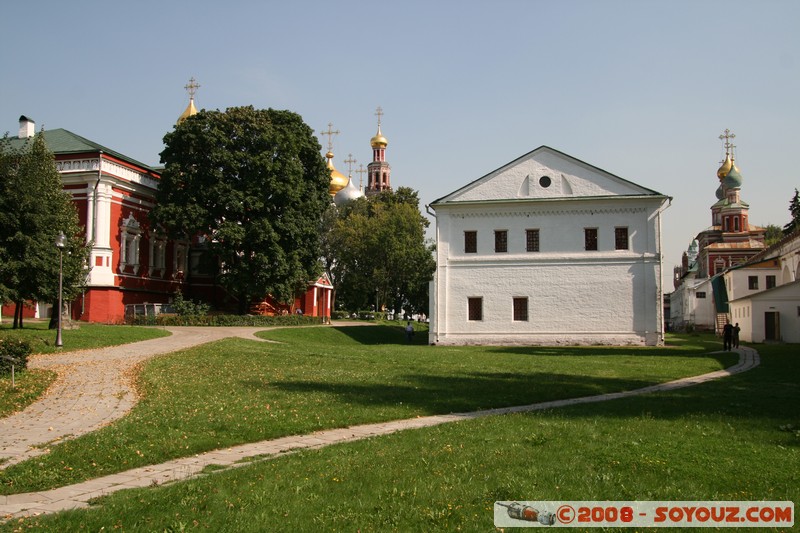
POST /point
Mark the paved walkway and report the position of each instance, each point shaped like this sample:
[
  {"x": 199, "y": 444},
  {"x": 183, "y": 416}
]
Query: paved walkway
[{"x": 75, "y": 496}]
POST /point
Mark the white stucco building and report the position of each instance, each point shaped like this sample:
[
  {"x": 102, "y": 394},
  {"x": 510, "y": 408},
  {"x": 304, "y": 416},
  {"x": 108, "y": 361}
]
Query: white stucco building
[
  {"x": 765, "y": 294},
  {"x": 548, "y": 249}
]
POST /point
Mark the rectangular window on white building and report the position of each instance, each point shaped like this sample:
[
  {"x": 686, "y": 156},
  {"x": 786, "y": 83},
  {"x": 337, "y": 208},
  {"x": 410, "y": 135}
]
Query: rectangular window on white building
[
  {"x": 520, "y": 309},
  {"x": 475, "y": 308},
  {"x": 532, "y": 240},
  {"x": 621, "y": 238},
  {"x": 771, "y": 282},
  {"x": 590, "y": 238},
  {"x": 752, "y": 283},
  {"x": 701, "y": 294},
  {"x": 470, "y": 242},
  {"x": 500, "y": 241}
]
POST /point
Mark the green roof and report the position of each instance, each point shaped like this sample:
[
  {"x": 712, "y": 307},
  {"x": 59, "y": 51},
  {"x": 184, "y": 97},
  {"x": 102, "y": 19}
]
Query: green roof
[{"x": 64, "y": 142}]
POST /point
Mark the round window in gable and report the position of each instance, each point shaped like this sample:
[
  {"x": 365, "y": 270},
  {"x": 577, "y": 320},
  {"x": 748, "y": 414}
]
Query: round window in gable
[{"x": 545, "y": 181}]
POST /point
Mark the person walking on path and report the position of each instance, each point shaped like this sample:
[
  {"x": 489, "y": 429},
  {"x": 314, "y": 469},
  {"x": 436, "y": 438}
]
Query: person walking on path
[
  {"x": 736, "y": 330},
  {"x": 727, "y": 336},
  {"x": 409, "y": 331}
]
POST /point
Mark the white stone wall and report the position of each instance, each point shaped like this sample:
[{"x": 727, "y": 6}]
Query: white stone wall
[
  {"x": 750, "y": 313},
  {"x": 574, "y": 296}
]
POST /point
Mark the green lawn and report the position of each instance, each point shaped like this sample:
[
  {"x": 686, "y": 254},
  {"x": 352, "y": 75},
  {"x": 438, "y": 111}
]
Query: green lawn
[
  {"x": 27, "y": 387},
  {"x": 725, "y": 440},
  {"x": 235, "y": 391}
]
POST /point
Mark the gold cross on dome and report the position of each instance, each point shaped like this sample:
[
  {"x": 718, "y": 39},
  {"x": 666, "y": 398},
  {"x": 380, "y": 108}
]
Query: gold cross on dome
[
  {"x": 728, "y": 136},
  {"x": 350, "y": 162},
  {"x": 330, "y": 133},
  {"x": 192, "y": 87},
  {"x": 379, "y": 114},
  {"x": 361, "y": 170}
]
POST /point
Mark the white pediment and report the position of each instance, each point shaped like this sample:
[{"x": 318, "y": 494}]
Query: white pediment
[{"x": 545, "y": 173}]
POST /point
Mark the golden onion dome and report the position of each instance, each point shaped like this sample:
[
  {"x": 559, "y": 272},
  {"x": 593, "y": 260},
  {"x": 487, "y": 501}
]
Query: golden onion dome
[
  {"x": 725, "y": 168},
  {"x": 378, "y": 140},
  {"x": 338, "y": 180},
  {"x": 190, "y": 110}
]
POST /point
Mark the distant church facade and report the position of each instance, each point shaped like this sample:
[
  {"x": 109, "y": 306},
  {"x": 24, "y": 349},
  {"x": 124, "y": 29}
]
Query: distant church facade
[
  {"x": 700, "y": 298},
  {"x": 548, "y": 249}
]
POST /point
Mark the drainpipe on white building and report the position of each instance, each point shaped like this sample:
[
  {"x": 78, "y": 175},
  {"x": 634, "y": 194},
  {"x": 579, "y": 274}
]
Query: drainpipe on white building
[{"x": 660, "y": 315}]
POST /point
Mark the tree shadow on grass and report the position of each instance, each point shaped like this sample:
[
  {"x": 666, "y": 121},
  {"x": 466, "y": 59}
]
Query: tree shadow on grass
[
  {"x": 768, "y": 394},
  {"x": 437, "y": 394},
  {"x": 383, "y": 334}
]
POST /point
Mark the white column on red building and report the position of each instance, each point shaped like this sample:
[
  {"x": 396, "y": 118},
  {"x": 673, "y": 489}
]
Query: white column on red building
[{"x": 101, "y": 273}]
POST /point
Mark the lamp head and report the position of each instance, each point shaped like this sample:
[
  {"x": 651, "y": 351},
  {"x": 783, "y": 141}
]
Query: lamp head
[{"x": 61, "y": 240}]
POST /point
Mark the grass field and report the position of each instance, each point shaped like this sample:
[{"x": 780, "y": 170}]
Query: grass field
[{"x": 724, "y": 440}]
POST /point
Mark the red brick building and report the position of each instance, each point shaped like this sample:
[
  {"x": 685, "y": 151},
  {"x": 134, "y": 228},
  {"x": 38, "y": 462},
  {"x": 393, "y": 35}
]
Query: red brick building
[{"x": 131, "y": 262}]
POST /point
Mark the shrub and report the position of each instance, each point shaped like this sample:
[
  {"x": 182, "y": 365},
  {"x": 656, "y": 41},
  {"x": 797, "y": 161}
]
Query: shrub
[
  {"x": 191, "y": 308},
  {"x": 225, "y": 320},
  {"x": 16, "y": 349}
]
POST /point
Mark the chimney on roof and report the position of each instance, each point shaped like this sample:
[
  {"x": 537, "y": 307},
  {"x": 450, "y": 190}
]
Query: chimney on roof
[{"x": 27, "y": 127}]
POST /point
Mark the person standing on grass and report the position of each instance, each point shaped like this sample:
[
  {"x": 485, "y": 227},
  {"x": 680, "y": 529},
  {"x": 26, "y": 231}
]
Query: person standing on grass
[
  {"x": 727, "y": 336},
  {"x": 409, "y": 331},
  {"x": 736, "y": 330}
]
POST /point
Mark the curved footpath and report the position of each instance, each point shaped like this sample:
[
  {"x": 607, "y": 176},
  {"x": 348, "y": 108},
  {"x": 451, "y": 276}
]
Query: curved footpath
[
  {"x": 92, "y": 390},
  {"x": 95, "y": 392}
]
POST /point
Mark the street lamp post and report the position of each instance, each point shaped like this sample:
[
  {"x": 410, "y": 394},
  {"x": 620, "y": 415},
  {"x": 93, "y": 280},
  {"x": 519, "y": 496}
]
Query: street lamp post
[{"x": 61, "y": 241}]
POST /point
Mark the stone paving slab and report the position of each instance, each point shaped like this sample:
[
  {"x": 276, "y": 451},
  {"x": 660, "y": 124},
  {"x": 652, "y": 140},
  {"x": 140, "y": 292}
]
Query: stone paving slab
[{"x": 74, "y": 496}]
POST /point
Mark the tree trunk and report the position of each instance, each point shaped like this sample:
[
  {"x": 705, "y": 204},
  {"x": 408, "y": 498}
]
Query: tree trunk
[
  {"x": 17, "y": 314},
  {"x": 54, "y": 317}
]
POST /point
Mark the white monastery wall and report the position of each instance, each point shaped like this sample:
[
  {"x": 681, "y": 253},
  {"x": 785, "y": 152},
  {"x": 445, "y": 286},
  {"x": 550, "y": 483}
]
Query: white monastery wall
[{"x": 574, "y": 296}]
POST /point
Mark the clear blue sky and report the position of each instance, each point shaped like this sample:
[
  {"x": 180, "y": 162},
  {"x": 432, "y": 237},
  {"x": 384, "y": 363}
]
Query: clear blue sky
[{"x": 641, "y": 89}]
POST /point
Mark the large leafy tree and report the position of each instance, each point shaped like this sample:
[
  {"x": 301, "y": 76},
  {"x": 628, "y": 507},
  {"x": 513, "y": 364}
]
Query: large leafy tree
[
  {"x": 254, "y": 185},
  {"x": 377, "y": 254},
  {"x": 34, "y": 209}
]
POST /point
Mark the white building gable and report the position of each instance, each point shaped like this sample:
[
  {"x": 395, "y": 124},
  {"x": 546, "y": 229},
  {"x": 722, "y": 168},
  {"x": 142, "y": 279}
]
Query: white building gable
[
  {"x": 548, "y": 249},
  {"x": 542, "y": 174}
]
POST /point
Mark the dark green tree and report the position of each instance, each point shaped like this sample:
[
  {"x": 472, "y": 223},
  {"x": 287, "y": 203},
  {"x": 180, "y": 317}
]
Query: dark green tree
[
  {"x": 34, "y": 209},
  {"x": 253, "y": 183},
  {"x": 378, "y": 254},
  {"x": 794, "y": 209}
]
